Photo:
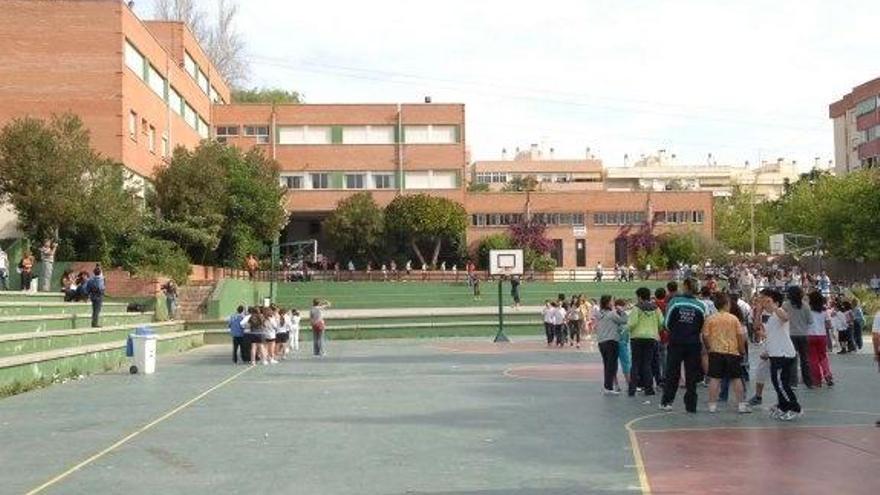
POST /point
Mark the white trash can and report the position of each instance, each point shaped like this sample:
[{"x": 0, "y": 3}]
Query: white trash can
[{"x": 144, "y": 347}]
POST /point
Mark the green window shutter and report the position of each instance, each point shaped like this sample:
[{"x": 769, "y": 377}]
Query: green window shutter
[
  {"x": 401, "y": 183},
  {"x": 336, "y": 134},
  {"x": 458, "y": 134},
  {"x": 457, "y": 178},
  {"x": 277, "y": 134},
  {"x": 336, "y": 180}
]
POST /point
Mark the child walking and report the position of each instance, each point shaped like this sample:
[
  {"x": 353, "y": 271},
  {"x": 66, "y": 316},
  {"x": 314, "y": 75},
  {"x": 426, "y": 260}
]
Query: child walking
[{"x": 781, "y": 352}]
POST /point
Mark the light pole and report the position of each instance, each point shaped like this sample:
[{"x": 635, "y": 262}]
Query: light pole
[{"x": 752, "y": 201}]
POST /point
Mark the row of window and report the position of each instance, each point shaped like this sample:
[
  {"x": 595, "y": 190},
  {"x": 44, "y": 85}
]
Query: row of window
[
  {"x": 867, "y": 105},
  {"x": 148, "y": 73},
  {"x": 619, "y": 217},
  {"x": 688, "y": 216},
  {"x": 871, "y": 133},
  {"x": 148, "y": 131},
  {"x": 348, "y": 134},
  {"x": 426, "y": 179},
  {"x": 503, "y": 219},
  {"x": 503, "y": 177},
  {"x": 192, "y": 68}
]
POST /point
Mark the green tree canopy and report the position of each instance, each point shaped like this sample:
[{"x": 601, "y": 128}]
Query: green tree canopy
[
  {"x": 414, "y": 220},
  {"x": 733, "y": 221},
  {"x": 61, "y": 188},
  {"x": 266, "y": 95},
  {"x": 356, "y": 229},
  {"x": 524, "y": 183},
  {"x": 218, "y": 203}
]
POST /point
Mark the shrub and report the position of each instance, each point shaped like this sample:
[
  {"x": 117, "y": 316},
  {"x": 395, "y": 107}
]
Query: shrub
[
  {"x": 488, "y": 243},
  {"x": 148, "y": 256}
]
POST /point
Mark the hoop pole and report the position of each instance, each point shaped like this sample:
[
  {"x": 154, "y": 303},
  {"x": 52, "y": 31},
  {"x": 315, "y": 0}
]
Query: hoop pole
[{"x": 500, "y": 337}]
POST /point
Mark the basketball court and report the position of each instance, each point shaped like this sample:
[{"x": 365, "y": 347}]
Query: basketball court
[{"x": 426, "y": 417}]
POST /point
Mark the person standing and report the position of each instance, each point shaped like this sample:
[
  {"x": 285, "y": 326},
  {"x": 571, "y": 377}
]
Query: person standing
[
  {"x": 726, "y": 346},
  {"x": 4, "y": 270},
  {"x": 817, "y": 341},
  {"x": 685, "y": 316},
  {"x": 95, "y": 288},
  {"x": 237, "y": 333},
  {"x": 781, "y": 353},
  {"x": 293, "y": 324},
  {"x": 316, "y": 317},
  {"x": 170, "y": 290},
  {"x": 800, "y": 318},
  {"x": 598, "y": 277},
  {"x": 514, "y": 291},
  {"x": 644, "y": 327},
  {"x": 875, "y": 337},
  {"x": 47, "y": 255},
  {"x": 26, "y": 268},
  {"x": 608, "y": 337},
  {"x": 547, "y": 317}
]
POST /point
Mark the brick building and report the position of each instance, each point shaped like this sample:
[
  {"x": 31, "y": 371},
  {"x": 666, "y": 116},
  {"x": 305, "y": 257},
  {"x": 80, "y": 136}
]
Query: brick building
[
  {"x": 857, "y": 128},
  {"x": 145, "y": 87}
]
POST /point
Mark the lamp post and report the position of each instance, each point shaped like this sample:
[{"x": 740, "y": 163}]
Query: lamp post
[{"x": 752, "y": 201}]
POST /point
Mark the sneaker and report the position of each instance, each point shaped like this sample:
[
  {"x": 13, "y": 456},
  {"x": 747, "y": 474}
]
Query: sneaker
[
  {"x": 665, "y": 407},
  {"x": 252, "y": 363},
  {"x": 713, "y": 407},
  {"x": 830, "y": 382},
  {"x": 273, "y": 361},
  {"x": 774, "y": 412},
  {"x": 743, "y": 408},
  {"x": 755, "y": 401},
  {"x": 787, "y": 416},
  {"x": 610, "y": 392},
  {"x": 265, "y": 362}
]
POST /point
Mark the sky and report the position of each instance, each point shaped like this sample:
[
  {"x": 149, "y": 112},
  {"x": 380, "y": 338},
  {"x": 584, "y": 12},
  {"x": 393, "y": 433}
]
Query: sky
[{"x": 749, "y": 80}]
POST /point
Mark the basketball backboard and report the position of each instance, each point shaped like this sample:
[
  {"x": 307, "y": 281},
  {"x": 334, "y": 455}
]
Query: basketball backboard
[{"x": 506, "y": 262}]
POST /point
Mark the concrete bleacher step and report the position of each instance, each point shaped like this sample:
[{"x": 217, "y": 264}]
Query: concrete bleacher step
[
  {"x": 43, "y": 367},
  {"x": 20, "y": 344},
  {"x": 24, "y": 296},
  {"x": 42, "y": 323},
  {"x": 25, "y": 308}
]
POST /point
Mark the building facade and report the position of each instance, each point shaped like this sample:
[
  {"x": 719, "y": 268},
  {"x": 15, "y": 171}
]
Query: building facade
[
  {"x": 856, "y": 119},
  {"x": 552, "y": 174},
  {"x": 661, "y": 172},
  {"x": 143, "y": 88}
]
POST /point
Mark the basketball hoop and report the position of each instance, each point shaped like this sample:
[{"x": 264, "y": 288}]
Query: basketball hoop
[{"x": 504, "y": 263}]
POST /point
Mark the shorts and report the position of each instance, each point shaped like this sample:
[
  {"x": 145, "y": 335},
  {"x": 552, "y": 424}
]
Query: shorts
[
  {"x": 759, "y": 369},
  {"x": 282, "y": 338},
  {"x": 255, "y": 338},
  {"x": 725, "y": 365}
]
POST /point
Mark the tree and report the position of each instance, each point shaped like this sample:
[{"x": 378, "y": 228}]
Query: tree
[
  {"x": 220, "y": 39},
  {"x": 266, "y": 95},
  {"x": 254, "y": 214},
  {"x": 417, "y": 219},
  {"x": 190, "y": 199},
  {"x": 43, "y": 170},
  {"x": 356, "y": 228},
  {"x": 478, "y": 187},
  {"x": 733, "y": 221}
]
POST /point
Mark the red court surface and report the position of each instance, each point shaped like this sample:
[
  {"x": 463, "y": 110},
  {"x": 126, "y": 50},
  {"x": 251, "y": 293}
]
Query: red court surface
[
  {"x": 590, "y": 372},
  {"x": 467, "y": 347},
  {"x": 793, "y": 460}
]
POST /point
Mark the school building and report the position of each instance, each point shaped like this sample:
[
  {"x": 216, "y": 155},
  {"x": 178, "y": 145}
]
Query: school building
[
  {"x": 145, "y": 87},
  {"x": 856, "y": 119}
]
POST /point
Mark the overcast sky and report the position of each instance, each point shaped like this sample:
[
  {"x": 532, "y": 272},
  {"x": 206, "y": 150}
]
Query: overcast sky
[{"x": 744, "y": 80}]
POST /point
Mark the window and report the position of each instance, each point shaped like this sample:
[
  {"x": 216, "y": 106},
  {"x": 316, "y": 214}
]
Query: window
[
  {"x": 872, "y": 133},
  {"x": 204, "y": 129},
  {"x": 383, "y": 181},
  {"x": 132, "y": 125},
  {"x": 431, "y": 134},
  {"x": 484, "y": 178},
  {"x": 133, "y": 59},
  {"x": 151, "y": 139},
  {"x": 189, "y": 65},
  {"x": 144, "y": 126},
  {"x": 156, "y": 82},
  {"x": 175, "y": 101},
  {"x": 190, "y": 116},
  {"x": 305, "y": 134},
  {"x": 320, "y": 181},
  {"x": 202, "y": 81},
  {"x": 354, "y": 181},
  {"x": 368, "y": 134},
  {"x": 598, "y": 219},
  {"x": 213, "y": 95},
  {"x": 292, "y": 181},
  {"x": 260, "y": 132},
  {"x": 165, "y": 148},
  {"x": 223, "y": 132},
  {"x": 444, "y": 179},
  {"x": 417, "y": 180},
  {"x": 867, "y": 105}
]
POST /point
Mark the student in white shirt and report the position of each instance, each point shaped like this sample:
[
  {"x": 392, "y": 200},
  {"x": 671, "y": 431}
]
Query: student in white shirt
[
  {"x": 282, "y": 335},
  {"x": 817, "y": 341},
  {"x": 292, "y": 322},
  {"x": 781, "y": 352},
  {"x": 547, "y": 317},
  {"x": 558, "y": 315}
]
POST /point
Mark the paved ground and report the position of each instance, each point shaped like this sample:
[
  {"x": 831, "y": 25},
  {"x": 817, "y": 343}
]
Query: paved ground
[{"x": 422, "y": 417}]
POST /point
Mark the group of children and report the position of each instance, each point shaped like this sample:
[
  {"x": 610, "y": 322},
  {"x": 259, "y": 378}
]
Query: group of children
[
  {"x": 266, "y": 334},
  {"x": 269, "y": 333},
  {"x": 717, "y": 337}
]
